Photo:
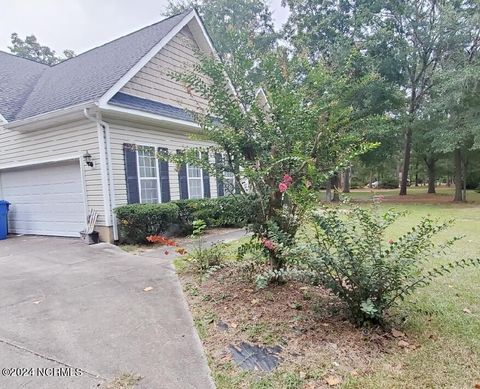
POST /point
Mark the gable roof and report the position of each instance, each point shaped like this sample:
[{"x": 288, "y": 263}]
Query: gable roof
[{"x": 81, "y": 79}]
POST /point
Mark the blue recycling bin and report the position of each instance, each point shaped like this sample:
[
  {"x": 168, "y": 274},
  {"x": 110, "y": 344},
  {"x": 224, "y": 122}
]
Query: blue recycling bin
[{"x": 4, "y": 219}]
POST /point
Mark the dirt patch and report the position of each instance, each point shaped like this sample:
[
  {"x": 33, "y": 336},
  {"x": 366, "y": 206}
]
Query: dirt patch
[{"x": 316, "y": 338}]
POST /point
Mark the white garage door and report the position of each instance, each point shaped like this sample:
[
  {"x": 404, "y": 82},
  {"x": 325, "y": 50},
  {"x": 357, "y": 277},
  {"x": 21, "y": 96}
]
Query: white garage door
[{"x": 46, "y": 199}]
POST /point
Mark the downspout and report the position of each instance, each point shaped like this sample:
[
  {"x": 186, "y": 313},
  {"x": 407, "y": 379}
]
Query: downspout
[{"x": 106, "y": 169}]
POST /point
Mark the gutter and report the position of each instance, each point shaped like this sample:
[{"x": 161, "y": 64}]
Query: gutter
[
  {"x": 108, "y": 189},
  {"x": 46, "y": 116}
]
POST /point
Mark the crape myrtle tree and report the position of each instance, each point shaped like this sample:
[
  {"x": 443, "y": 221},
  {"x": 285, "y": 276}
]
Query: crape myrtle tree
[{"x": 280, "y": 143}]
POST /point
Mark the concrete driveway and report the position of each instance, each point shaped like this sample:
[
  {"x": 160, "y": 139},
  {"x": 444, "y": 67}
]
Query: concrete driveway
[{"x": 79, "y": 315}]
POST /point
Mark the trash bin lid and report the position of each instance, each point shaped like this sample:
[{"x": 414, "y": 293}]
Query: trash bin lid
[{"x": 4, "y": 202}]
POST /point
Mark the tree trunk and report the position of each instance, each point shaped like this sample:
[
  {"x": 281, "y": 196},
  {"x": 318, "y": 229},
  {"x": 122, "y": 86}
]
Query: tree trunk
[
  {"x": 346, "y": 180},
  {"x": 457, "y": 176},
  {"x": 416, "y": 173},
  {"x": 328, "y": 190},
  {"x": 464, "y": 176},
  {"x": 431, "y": 174},
  {"x": 406, "y": 161},
  {"x": 334, "y": 184}
]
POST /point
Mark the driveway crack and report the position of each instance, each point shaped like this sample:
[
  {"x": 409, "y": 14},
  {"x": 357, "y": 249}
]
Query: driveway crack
[{"x": 51, "y": 359}]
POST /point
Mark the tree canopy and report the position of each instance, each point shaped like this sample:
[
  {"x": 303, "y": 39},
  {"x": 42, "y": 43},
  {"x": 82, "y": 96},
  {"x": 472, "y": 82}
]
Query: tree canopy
[{"x": 30, "y": 48}]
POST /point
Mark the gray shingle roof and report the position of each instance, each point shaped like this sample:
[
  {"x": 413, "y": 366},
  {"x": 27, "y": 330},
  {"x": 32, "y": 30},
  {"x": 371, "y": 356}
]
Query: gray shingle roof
[
  {"x": 134, "y": 102},
  {"x": 81, "y": 79},
  {"x": 17, "y": 79}
]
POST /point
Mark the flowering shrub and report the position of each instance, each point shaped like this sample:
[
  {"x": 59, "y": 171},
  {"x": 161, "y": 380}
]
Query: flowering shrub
[{"x": 350, "y": 255}]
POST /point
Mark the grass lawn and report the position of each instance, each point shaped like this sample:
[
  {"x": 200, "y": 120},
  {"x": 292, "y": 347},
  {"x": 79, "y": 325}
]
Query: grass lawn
[{"x": 441, "y": 322}]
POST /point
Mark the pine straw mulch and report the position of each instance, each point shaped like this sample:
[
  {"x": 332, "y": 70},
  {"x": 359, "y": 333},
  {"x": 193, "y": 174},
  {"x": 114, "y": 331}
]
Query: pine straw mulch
[{"x": 318, "y": 342}]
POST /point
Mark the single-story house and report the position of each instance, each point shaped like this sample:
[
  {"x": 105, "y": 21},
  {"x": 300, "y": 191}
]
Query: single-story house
[{"x": 67, "y": 130}]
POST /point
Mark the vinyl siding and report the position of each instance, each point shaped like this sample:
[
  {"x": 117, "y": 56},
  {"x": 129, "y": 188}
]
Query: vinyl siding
[
  {"x": 56, "y": 143},
  {"x": 152, "y": 136},
  {"x": 154, "y": 80}
]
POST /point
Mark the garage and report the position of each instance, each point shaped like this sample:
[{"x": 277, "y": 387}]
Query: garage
[{"x": 45, "y": 199}]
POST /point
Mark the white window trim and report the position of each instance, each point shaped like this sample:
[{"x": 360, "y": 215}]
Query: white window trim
[
  {"x": 195, "y": 178},
  {"x": 140, "y": 178}
]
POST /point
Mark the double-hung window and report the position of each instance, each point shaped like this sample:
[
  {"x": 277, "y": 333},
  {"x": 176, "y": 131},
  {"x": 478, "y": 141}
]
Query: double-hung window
[
  {"x": 195, "y": 182},
  {"x": 148, "y": 175}
]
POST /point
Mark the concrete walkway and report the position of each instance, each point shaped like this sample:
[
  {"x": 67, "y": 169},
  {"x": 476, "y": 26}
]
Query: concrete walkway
[{"x": 98, "y": 313}]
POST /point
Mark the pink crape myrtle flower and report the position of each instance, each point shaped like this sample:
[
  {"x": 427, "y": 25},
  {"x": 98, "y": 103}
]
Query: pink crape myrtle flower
[
  {"x": 287, "y": 179},
  {"x": 390, "y": 241},
  {"x": 268, "y": 244},
  {"x": 282, "y": 187}
]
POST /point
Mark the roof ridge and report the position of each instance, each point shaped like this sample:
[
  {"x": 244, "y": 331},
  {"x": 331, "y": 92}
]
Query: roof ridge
[
  {"x": 121, "y": 37},
  {"x": 26, "y": 59}
]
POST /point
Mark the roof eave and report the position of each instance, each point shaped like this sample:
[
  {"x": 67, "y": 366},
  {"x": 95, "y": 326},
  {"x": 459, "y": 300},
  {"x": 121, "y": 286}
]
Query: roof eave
[
  {"x": 47, "y": 119},
  {"x": 151, "y": 118}
]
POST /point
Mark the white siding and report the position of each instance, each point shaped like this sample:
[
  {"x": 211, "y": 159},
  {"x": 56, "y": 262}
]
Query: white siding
[
  {"x": 159, "y": 137},
  {"x": 154, "y": 80},
  {"x": 55, "y": 144}
]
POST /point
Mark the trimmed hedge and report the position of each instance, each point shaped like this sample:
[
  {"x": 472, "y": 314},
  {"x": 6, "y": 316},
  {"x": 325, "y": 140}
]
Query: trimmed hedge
[{"x": 137, "y": 221}]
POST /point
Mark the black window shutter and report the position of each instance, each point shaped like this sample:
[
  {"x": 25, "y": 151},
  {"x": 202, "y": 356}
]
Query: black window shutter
[
  {"x": 131, "y": 173},
  {"x": 220, "y": 185},
  {"x": 206, "y": 178},
  {"x": 182, "y": 179},
  {"x": 164, "y": 176}
]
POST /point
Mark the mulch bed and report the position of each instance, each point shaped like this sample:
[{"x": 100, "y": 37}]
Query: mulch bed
[{"x": 316, "y": 338}]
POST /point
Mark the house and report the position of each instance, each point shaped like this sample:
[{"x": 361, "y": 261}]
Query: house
[{"x": 83, "y": 134}]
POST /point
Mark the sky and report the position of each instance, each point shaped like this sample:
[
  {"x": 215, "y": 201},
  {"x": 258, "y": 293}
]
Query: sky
[{"x": 80, "y": 25}]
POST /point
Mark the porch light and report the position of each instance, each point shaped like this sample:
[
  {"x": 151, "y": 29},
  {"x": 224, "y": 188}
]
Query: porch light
[{"x": 88, "y": 159}]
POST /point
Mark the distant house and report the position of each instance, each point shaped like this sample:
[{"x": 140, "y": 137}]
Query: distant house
[{"x": 104, "y": 103}]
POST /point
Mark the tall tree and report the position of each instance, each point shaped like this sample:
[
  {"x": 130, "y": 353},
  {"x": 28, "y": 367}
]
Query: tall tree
[
  {"x": 455, "y": 96},
  {"x": 244, "y": 25},
  {"x": 31, "y": 49},
  {"x": 406, "y": 39}
]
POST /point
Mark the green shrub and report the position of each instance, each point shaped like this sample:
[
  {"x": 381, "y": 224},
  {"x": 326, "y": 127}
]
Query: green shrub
[
  {"x": 352, "y": 257},
  {"x": 228, "y": 211},
  {"x": 137, "y": 221}
]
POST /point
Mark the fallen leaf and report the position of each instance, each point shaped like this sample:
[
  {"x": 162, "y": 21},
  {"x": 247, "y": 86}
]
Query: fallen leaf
[
  {"x": 450, "y": 286},
  {"x": 332, "y": 380},
  {"x": 233, "y": 325},
  {"x": 254, "y": 301},
  {"x": 397, "y": 334},
  {"x": 466, "y": 310},
  {"x": 148, "y": 289},
  {"x": 302, "y": 375},
  {"x": 477, "y": 386},
  {"x": 402, "y": 343},
  {"x": 354, "y": 373}
]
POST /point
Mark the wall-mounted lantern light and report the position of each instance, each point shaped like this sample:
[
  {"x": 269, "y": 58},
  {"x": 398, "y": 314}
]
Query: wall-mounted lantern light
[{"x": 88, "y": 159}]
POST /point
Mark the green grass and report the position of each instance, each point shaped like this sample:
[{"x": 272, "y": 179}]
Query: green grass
[
  {"x": 443, "y": 319},
  {"x": 449, "y": 356}
]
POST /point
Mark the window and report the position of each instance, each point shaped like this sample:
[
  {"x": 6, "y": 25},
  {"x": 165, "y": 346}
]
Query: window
[
  {"x": 148, "y": 175},
  {"x": 195, "y": 182},
  {"x": 229, "y": 183}
]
